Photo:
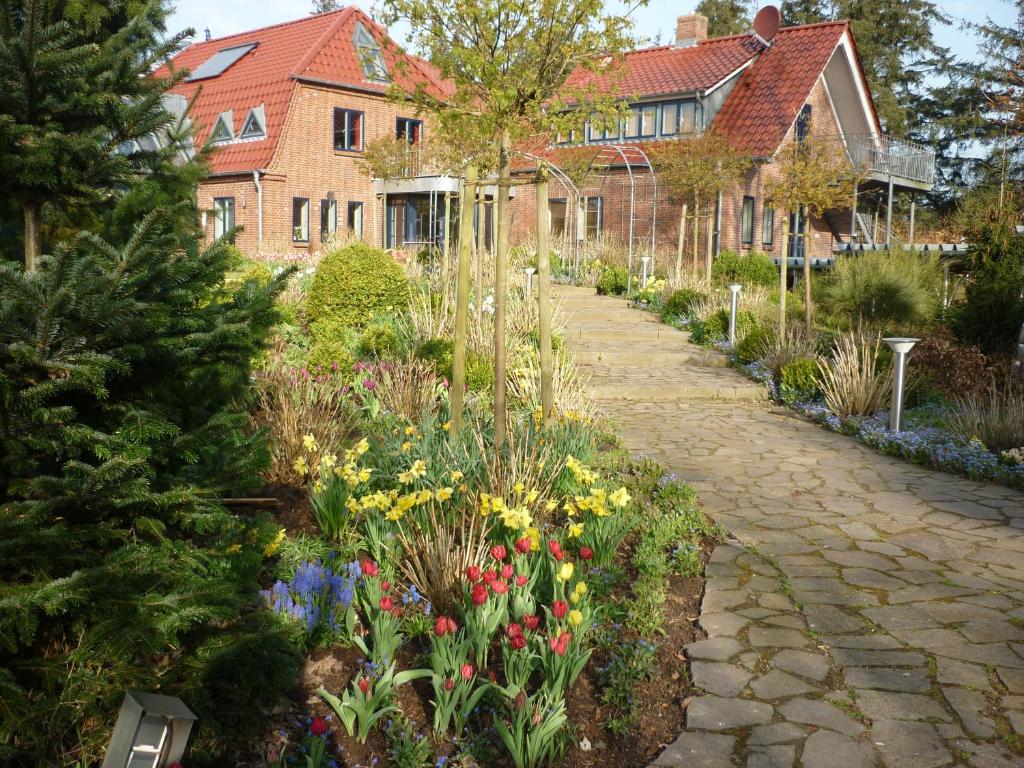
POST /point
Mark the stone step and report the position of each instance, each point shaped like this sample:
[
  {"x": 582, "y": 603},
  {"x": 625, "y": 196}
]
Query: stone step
[
  {"x": 589, "y": 315},
  {"x": 608, "y": 332},
  {"x": 682, "y": 393},
  {"x": 648, "y": 356}
]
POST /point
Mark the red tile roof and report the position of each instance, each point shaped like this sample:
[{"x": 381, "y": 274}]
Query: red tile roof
[
  {"x": 771, "y": 91},
  {"x": 319, "y": 47}
]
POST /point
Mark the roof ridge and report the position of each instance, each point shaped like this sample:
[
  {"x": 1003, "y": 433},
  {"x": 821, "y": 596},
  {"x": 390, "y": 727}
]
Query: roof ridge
[
  {"x": 307, "y": 58},
  {"x": 836, "y": 22},
  {"x": 300, "y": 20}
]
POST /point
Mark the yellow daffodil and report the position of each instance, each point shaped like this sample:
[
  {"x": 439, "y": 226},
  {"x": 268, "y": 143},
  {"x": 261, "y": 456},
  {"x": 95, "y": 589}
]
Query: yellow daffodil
[
  {"x": 364, "y": 474},
  {"x": 575, "y": 530},
  {"x": 394, "y": 514},
  {"x": 447, "y": 426},
  {"x": 532, "y": 496},
  {"x": 457, "y": 476},
  {"x": 550, "y": 506},
  {"x": 405, "y": 477},
  {"x": 516, "y": 518},
  {"x": 406, "y": 446},
  {"x": 570, "y": 509},
  {"x": 419, "y": 468},
  {"x": 443, "y": 494},
  {"x": 565, "y": 571},
  {"x": 272, "y": 547},
  {"x": 329, "y": 460},
  {"x": 425, "y": 496},
  {"x": 309, "y": 443},
  {"x": 410, "y": 431},
  {"x": 575, "y": 617},
  {"x": 620, "y": 498},
  {"x": 300, "y": 466},
  {"x": 362, "y": 447},
  {"x": 234, "y": 549}
]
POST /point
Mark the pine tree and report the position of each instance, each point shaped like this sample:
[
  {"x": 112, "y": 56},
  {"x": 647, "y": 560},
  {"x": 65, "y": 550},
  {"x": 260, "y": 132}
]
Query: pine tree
[
  {"x": 74, "y": 95},
  {"x": 796, "y": 12},
  {"x": 725, "y": 17}
]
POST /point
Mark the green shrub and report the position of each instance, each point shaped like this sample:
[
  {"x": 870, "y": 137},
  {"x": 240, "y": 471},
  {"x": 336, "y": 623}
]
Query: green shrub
[
  {"x": 798, "y": 381},
  {"x": 753, "y": 268},
  {"x": 612, "y": 281},
  {"x": 354, "y": 283},
  {"x": 681, "y": 303},
  {"x": 441, "y": 352},
  {"x": 380, "y": 339},
  {"x": 754, "y": 345},
  {"x": 716, "y": 327},
  {"x": 479, "y": 372},
  {"x": 882, "y": 288},
  {"x": 993, "y": 312},
  {"x": 332, "y": 342}
]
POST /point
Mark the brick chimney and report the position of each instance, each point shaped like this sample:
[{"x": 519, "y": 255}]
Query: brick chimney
[{"x": 691, "y": 30}]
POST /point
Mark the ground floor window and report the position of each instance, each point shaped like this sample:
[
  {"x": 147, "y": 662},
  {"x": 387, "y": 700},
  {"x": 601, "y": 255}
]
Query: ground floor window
[
  {"x": 328, "y": 218},
  {"x": 223, "y": 216},
  {"x": 591, "y": 213},
  {"x": 556, "y": 216},
  {"x": 767, "y": 225},
  {"x": 300, "y": 219},
  {"x": 747, "y": 221},
  {"x": 355, "y": 218}
]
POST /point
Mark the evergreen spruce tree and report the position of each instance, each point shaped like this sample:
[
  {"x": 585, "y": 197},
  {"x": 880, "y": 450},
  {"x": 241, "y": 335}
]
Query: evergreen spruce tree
[
  {"x": 725, "y": 17},
  {"x": 796, "y": 12},
  {"x": 74, "y": 95}
]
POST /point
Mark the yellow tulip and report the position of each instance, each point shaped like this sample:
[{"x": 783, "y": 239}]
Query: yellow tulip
[
  {"x": 565, "y": 572},
  {"x": 575, "y": 617}
]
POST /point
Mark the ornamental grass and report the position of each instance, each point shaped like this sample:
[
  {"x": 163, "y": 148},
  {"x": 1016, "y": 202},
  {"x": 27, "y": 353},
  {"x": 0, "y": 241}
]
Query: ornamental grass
[{"x": 852, "y": 381}]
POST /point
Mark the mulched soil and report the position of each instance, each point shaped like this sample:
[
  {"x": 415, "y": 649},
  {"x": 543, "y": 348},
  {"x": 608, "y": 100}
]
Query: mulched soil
[{"x": 661, "y": 702}]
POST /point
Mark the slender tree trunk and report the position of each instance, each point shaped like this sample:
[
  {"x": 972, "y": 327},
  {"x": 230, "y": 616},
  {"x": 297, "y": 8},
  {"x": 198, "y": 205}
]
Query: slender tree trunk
[
  {"x": 458, "y": 389},
  {"x": 783, "y": 270},
  {"x": 681, "y": 244},
  {"x": 696, "y": 233},
  {"x": 547, "y": 363},
  {"x": 33, "y": 237},
  {"x": 808, "y": 309},
  {"x": 708, "y": 255},
  {"x": 446, "y": 232},
  {"x": 481, "y": 250},
  {"x": 500, "y": 290}
]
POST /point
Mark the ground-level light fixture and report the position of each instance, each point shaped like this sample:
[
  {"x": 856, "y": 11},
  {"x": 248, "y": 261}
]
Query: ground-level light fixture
[
  {"x": 734, "y": 304},
  {"x": 152, "y": 731},
  {"x": 530, "y": 271},
  {"x": 900, "y": 347},
  {"x": 644, "y": 261}
]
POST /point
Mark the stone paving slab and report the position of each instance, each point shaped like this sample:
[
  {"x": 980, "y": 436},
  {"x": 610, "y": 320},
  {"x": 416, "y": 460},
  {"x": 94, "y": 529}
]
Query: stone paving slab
[{"x": 874, "y": 608}]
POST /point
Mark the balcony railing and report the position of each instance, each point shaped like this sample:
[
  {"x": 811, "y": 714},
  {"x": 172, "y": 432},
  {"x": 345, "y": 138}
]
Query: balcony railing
[{"x": 903, "y": 160}]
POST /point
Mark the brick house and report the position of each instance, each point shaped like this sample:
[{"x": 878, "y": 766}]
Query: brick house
[
  {"x": 763, "y": 91},
  {"x": 289, "y": 109}
]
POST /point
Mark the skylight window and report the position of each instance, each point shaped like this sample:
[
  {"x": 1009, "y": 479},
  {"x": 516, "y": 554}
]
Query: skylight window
[
  {"x": 223, "y": 129},
  {"x": 255, "y": 125},
  {"x": 220, "y": 61},
  {"x": 370, "y": 56}
]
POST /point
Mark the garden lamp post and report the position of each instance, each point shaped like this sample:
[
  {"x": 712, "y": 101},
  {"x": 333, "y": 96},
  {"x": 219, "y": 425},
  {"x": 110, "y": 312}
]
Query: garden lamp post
[
  {"x": 900, "y": 347},
  {"x": 529, "y": 281},
  {"x": 644, "y": 261},
  {"x": 152, "y": 731},
  {"x": 734, "y": 303}
]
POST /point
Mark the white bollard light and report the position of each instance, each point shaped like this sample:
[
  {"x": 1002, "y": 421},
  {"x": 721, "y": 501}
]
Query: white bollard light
[
  {"x": 644, "y": 261},
  {"x": 734, "y": 304},
  {"x": 529, "y": 280},
  {"x": 900, "y": 347}
]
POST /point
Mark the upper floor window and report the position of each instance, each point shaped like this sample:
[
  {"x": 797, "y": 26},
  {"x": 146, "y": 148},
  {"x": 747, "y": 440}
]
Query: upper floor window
[
  {"x": 642, "y": 121},
  {"x": 223, "y": 129},
  {"x": 409, "y": 129},
  {"x": 348, "y": 130},
  {"x": 254, "y": 126},
  {"x": 803, "y": 123},
  {"x": 370, "y": 56},
  {"x": 678, "y": 118},
  {"x": 604, "y": 130}
]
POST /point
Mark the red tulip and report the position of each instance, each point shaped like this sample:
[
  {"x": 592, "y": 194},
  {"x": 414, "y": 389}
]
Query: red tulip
[
  {"x": 556, "y": 550},
  {"x": 498, "y": 552},
  {"x": 517, "y": 643},
  {"x": 385, "y": 585},
  {"x": 318, "y": 727},
  {"x": 473, "y": 572},
  {"x": 444, "y": 625},
  {"x": 448, "y": 683},
  {"x": 466, "y": 671},
  {"x": 514, "y": 630},
  {"x": 387, "y": 604},
  {"x": 479, "y": 594},
  {"x": 364, "y": 685},
  {"x": 369, "y": 568},
  {"x": 489, "y": 576},
  {"x": 559, "y": 609},
  {"x": 521, "y": 581},
  {"x": 499, "y": 587},
  {"x": 507, "y": 570},
  {"x": 586, "y": 553},
  {"x": 531, "y": 622},
  {"x": 524, "y": 545}
]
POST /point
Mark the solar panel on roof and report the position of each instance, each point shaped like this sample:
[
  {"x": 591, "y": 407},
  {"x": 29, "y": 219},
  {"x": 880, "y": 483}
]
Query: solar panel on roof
[{"x": 220, "y": 61}]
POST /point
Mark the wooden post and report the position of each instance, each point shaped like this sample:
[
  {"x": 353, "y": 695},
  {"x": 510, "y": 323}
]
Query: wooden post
[
  {"x": 501, "y": 290},
  {"x": 547, "y": 395},
  {"x": 913, "y": 207},
  {"x": 853, "y": 217},
  {"x": 808, "y": 319},
  {"x": 696, "y": 234},
  {"x": 783, "y": 269},
  {"x": 680, "y": 245},
  {"x": 708, "y": 256},
  {"x": 445, "y": 230},
  {"x": 458, "y": 389},
  {"x": 480, "y": 222}
]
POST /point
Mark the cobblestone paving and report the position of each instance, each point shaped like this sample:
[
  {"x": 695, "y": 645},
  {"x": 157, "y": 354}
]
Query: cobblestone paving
[{"x": 868, "y": 613}]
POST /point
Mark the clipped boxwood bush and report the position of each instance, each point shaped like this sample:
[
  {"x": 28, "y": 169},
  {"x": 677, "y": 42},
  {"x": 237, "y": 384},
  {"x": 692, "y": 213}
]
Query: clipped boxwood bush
[
  {"x": 753, "y": 268},
  {"x": 753, "y": 345},
  {"x": 799, "y": 381},
  {"x": 716, "y": 327},
  {"x": 612, "y": 281},
  {"x": 479, "y": 372},
  {"x": 353, "y": 283},
  {"x": 440, "y": 354},
  {"x": 380, "y": 339},
  {"x": 333, "y": 345},
  {"x": 681, "y": 303}
]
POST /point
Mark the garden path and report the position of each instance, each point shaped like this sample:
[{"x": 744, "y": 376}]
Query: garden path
[{"x": 868, "y": 612}]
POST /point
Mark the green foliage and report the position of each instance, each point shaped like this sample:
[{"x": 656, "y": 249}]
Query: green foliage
[
  {"x": 716, "y": 327},
  {"x": 479, "y": 372},
  {"x": 754, "y": 345},
  {"x": 798, "y": 382},
  {"x": 406, "y": 747},
  {"x": 612, "y": 281},
  {"x": 883, "y": 288},
  {"x": 333, "y": 344},
  {"x": 380, "y": 340},
  {"x": 439, "y": 352},
  {"x": 630, "y": 663},
  {"x": 120, "y": 371},
  {"x": 681, "y": 303},
  {"x": 725, "y": 17},
  {"x": 993, "y": 313},
  {"x": 352, "y": 284},
  {"x": 747, "y": 269}
]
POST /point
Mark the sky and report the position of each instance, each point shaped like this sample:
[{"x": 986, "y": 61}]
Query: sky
[{"x": 655, "y": 21}]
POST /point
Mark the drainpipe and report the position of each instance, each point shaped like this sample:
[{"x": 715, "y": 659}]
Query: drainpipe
[
  {"x": 259, "y": 210},
  {"x": 718, "y": 225}
]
